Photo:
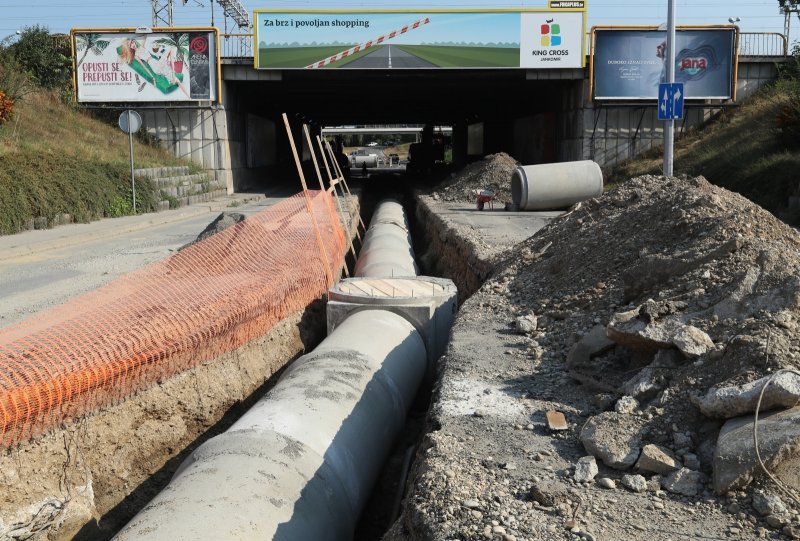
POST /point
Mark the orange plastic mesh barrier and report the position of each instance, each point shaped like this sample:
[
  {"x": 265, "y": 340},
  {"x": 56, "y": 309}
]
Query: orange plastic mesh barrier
[{"x": 207, "y": 299}]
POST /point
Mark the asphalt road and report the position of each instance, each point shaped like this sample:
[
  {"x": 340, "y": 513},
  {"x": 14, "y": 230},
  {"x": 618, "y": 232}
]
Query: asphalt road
[
  {"x": 388, "y": 56},
  {"x": 52, "y": 266}
]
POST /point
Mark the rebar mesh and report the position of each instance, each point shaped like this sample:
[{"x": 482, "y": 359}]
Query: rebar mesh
[{"x": 205, "y": 300}]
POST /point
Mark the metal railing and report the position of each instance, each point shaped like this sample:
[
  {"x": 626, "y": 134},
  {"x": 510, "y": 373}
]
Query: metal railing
[
  {"x": 750, "y": 44},
  {"x": 763, "y": 44},
  {"x": 236, "y": 45}
]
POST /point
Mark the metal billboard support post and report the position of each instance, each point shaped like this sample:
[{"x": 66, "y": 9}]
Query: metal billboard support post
[
  {"x": 133, "y": 179},
  {"x": 130, "y": 122},
  {"x": 669, "y": 126}
]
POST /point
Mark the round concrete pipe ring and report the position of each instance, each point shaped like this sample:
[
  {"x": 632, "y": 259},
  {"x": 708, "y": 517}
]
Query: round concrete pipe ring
[
  {"x": 555, "y": 185},
  {"x": 301, "y": 463}
]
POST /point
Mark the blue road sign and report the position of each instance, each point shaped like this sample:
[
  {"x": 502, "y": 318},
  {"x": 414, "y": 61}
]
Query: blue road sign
[{"x": 670, "y": 101}]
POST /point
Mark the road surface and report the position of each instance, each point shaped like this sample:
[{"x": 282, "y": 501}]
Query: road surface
[
  {"x": 52, "y": 266},
  {"x": 386, "y": 57}
]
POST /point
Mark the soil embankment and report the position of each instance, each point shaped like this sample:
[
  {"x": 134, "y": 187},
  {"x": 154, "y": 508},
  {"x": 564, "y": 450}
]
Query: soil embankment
[{"x": 629, "y": 315}]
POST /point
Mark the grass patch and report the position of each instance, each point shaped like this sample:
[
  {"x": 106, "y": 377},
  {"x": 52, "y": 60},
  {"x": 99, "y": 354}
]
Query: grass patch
[
  {"x": 741, "y": 150},
  {"x": 465, "y": 57},
  {"x": 300, "y": 57},
  {"x": 57, "y": 160}
]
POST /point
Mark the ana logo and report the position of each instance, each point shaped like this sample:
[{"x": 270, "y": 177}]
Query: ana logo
[
  {"x": 551, "y": 34},
  {"x": 693, "y": 66}
]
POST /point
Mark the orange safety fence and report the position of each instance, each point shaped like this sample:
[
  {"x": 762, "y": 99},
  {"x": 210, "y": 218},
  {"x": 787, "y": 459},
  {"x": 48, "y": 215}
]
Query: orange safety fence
[{"x": 205, "y": 300}]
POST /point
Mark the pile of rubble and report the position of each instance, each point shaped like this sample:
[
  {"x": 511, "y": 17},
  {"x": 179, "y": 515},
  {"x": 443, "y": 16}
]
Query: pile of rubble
[
  {"x": 675, "y": 301},
  {"x": 492, "y": 174},
  {"x": 650, "y": 317}
]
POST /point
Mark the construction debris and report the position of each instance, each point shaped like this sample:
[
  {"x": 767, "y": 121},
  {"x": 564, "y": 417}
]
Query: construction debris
[{"x": 663, "y": 290}]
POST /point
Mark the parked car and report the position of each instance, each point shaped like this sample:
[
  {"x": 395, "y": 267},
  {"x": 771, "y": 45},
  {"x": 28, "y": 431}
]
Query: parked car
[{"x": 372, "y": 144}]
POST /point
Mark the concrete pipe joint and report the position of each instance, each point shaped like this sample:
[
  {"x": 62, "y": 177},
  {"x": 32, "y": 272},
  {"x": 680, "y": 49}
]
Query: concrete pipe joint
[
  {"x": 555, "y": 185},
  {"x": 301, "y": 463}
]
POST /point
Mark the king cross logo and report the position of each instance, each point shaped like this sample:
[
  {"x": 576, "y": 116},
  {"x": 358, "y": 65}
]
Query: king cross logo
[{"x": 551, "y": 34}]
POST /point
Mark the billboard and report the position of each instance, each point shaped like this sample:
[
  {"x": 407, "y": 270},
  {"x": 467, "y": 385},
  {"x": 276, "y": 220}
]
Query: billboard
[
  {"x": 425, "y": 39},
  {"x": 628, "y": 64},
  {"x": 165, "y": 65}
]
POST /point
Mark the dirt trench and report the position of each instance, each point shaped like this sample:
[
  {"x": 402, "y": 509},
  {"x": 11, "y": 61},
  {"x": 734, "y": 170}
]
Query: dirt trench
[{"x": 86, "y": 479}]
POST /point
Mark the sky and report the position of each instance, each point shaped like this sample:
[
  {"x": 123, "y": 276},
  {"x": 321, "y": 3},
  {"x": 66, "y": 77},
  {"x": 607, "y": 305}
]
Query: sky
[{"x": 61, "y": 15}]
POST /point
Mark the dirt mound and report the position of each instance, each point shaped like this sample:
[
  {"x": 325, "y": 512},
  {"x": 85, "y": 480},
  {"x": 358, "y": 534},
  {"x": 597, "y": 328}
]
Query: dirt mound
[
  {"x": 663, "y": 296},
  {"x": 634, "y": 315},
  {"x": 492, "y": 173}
]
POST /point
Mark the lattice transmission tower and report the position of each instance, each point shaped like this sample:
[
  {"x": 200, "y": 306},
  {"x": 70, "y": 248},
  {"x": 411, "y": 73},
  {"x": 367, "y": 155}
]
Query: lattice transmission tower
[{"x": 162, "y": 12}]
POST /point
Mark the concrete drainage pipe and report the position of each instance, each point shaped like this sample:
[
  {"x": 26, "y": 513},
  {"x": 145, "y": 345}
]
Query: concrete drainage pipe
[
  {"x": 301, "y": 463},
  {"x": 387, "y": 251},
  {"x": 555, "y": 185}
]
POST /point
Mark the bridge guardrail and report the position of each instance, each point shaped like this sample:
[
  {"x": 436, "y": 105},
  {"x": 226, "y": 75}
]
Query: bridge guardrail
[
  {"x": 236, "y": 45},
  {"x": 750, "y": 44},
  {"x": 763, "y": 44}
]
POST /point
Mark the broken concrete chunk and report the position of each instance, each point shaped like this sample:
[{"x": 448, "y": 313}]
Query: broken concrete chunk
[
  {"x": 548, "y": 493},
  {"x": 594, "y": 343},
  {"x": 636, "y": 483},
  {"x": 769, "y": 504},
  {"x": 685, "y": 482},
  {"x": 556, "y": 420},
  {"x": 626, "y": 404},
  {"x": 628, "y": 329},
  {"x": 728, "y": 402},
  {"x": 607, "y": 482},
  {"x": 692, "y": 342},
  {"x": 613, "y": 438},
  {"x": 735, "y": 463},
  {"x": 586, "y": 469},
  {"x": 642, "y": 385},
  {"x": 657, "y": 459},
  {"x": 527, "y": 324}
]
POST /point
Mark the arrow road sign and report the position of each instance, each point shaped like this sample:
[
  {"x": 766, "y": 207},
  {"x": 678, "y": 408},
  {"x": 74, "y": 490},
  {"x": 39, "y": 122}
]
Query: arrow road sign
[{"x": 670, "y": 101}]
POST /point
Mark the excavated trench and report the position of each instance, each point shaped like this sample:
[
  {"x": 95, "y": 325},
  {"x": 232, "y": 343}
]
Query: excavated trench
[
  {"x": 89, "y": 477},
  {"x": 442, "y": 253}
]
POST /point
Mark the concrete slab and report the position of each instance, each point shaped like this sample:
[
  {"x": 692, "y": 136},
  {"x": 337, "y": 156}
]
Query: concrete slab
[{"x": 497, "y": 228}]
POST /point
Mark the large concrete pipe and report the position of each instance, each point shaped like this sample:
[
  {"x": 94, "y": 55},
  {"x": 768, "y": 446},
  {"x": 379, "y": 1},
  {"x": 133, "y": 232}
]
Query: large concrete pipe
[
  {"x": 301, "y": 463},
  {"x": 387, "y": 251},
  {"x": 555, "y": 185}
]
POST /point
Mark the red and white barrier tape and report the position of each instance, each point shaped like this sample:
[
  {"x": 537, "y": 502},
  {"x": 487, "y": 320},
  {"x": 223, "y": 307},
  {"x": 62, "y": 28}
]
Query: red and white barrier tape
[{"x": 344, "y": 54}]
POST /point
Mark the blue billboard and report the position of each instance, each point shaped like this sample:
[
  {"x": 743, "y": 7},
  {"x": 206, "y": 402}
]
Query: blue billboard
[{"x": 629, "y": 64}]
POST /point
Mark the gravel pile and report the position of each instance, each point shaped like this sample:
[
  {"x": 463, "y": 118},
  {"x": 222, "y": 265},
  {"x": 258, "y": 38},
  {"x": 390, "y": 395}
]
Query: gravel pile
[
  {"x": 493, "y": 173},
  {"x": 642, "y": 316}
]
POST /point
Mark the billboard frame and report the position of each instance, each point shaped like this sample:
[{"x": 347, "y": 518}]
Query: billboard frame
[
  {"x": 735, "y": 57},
  {"x": 138, "y": 31},
  {"x": 583, "y": 10}
]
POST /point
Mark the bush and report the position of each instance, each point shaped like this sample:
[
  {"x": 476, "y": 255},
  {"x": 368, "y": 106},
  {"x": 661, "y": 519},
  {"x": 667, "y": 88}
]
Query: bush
[
  {"x": 43, "y": 58},
  {"x": 53, "y": 184},
  {"x": 788, "y": 121}
]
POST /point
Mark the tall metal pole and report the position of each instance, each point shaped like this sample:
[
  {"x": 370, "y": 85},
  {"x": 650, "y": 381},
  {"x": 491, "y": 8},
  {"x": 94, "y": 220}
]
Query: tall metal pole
[
  {"x": 669, "y": 126},
  {"x": 130, "y": 141}
]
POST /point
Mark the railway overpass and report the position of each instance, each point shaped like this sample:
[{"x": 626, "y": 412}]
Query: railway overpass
[{"x": 536, "y": 115}]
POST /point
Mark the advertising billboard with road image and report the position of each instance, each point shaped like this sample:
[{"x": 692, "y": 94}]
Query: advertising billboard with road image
[
  {"x": 628, "y": 64},
  {"x": 123, "y": 65},
  {"x": 419, "y": 39}
]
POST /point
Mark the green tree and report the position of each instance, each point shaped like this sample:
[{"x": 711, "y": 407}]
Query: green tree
[{"x": 38, "y": 53}]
